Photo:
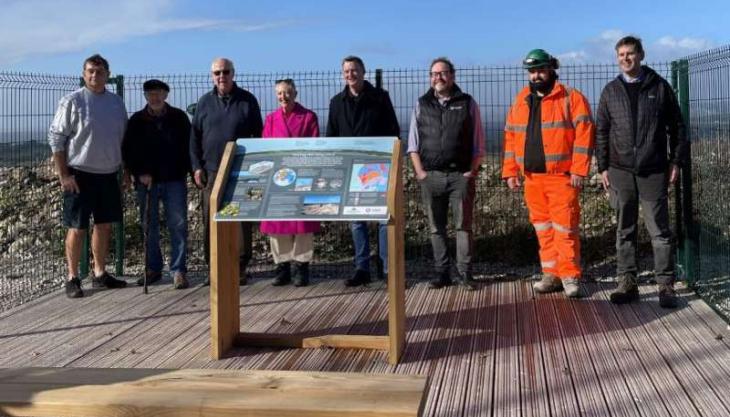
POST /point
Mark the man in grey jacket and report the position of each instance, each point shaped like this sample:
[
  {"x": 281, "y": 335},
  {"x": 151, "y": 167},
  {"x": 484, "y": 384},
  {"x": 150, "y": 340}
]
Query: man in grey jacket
[
  {"x": 640, "y": 145},
  {"x": 86, "y": 139}
]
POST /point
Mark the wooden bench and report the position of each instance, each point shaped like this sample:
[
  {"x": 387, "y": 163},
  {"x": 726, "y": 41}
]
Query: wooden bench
[{"x": 96, "y": 392}]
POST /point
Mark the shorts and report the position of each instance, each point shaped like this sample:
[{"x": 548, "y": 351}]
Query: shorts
[{"x": 99, "y": 197}]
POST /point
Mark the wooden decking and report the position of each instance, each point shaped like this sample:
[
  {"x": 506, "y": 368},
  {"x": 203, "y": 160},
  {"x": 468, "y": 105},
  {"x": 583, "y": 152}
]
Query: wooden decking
[{"x": 499, "y": 351}]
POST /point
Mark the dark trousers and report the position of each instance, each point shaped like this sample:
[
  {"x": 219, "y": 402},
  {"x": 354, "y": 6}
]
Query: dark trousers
[
  {"x": 627, "y": 191},
  {"x": 246, "y": 252},
  {"x": 438, "y": 190}
]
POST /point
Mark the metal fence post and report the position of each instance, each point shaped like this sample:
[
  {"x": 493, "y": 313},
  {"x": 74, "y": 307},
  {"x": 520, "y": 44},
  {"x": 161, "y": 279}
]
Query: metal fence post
[
  {"x": 84, "y": 264},
  {"x": 118, "y": 81},
  {"x": 379, "y": 78},
  {"x": 687, "y": 241}
]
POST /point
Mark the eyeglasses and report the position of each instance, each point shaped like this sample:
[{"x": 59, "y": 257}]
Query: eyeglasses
[
  {"x": 439, "y": 74},
  {"x": 224, "y": 72}
]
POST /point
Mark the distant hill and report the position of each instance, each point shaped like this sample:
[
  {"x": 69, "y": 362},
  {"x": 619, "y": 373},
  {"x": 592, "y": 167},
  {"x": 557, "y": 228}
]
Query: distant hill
[{"x": 26, "y": 153}]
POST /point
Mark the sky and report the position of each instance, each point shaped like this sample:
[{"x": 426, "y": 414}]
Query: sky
[{"x": 183, "y": 36}]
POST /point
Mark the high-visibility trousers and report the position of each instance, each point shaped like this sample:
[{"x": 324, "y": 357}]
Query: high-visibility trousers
[{"x": 555, "y": 215}]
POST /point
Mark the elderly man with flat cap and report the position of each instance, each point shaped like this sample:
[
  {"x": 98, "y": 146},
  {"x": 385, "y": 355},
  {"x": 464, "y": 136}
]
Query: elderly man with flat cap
[{"x": 156, "y": 154}]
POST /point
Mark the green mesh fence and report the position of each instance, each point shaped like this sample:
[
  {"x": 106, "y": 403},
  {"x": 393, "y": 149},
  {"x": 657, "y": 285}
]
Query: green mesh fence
[{"x": 502, "y": 233}]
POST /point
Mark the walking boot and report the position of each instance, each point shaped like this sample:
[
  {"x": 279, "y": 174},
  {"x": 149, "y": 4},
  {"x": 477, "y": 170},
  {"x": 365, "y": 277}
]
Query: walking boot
[
  {"x": 179, "y": 282},
  {"x": 571, "y": 287},
  {"x": 443, "y": 280},
  {"x": 548, "y": 283},
  {"x": 301, "y": 274},
  {"x": 627, "y": 290},
  {"x": 466, "y": 280},
  {"x": 360, "y": 277},
  {"x": 667, "y": 296},
  {"x": 283, "y": 274}
]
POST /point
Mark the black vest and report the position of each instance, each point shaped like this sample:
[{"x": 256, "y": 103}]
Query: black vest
[{"x": 445, "y": 133}]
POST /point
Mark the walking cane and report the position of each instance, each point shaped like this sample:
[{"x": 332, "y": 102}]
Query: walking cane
[{"x": 146, "y": 230}]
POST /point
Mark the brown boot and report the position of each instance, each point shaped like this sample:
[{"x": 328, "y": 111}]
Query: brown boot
[
  {"x": 627, "y": 290},
  {"x": 179, "y": 281},
  {"x": 548, "y": 283},
  {"x": 667, "y": 296}
]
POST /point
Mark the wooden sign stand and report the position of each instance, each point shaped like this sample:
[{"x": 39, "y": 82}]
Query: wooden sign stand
[{"x": 225, "y": 326}]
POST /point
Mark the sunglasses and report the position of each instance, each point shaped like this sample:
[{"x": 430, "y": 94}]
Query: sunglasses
[{"x": 224, "y": 72}]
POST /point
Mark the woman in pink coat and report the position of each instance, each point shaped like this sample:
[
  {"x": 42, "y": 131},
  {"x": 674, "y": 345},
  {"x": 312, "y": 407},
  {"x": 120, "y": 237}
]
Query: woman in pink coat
[{"x": 291, "y": 241}]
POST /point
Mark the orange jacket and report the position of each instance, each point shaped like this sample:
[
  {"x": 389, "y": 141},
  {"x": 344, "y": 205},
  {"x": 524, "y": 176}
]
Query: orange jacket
[{"x": 568, "y": 132}]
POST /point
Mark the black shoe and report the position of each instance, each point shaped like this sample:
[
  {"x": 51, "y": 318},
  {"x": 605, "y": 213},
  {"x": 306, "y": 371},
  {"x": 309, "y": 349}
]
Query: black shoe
[
  {"x": 106, "y": 280},
  {"x": 206, "y": 283},
  {"x": 152, "y": 277},
  {"x": 301, "y": 274},
  {"x": 360, "y": 277},
  {"x": 283, "y": 274},
  {"x": 667, "y": 296},
  {"x": 627, "y": 290},
  {"x": 243, "y": 280},
  {"x": 467, "y": 281},
  {"x": 443, "y": 280},
  {"x": 73, "y": 288}
]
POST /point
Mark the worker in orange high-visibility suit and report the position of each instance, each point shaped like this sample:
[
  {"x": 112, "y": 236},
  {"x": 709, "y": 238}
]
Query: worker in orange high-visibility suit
[{"x": 549, "y": 139}]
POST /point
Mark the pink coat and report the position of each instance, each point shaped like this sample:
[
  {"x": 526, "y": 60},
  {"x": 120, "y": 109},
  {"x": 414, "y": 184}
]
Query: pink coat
[{"x": 300, "y": 123}]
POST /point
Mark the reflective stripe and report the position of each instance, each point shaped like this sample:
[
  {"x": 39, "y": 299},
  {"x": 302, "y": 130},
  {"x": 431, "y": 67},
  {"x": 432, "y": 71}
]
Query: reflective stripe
[
  {"x": 509, "y": 154},
  {"x": 520, "y": 159},
  {"x": 516, "y": 128},
  {"x": 557, "y": 157},
  {"x": 563, "y": 229},
  {"x": 561, "y": 124},
  {"x": 583, "y": 150},
  {"x": 548, "y": 264},
  {"x": 541, "y": 227},
  {"x": 584, "y": 118}
]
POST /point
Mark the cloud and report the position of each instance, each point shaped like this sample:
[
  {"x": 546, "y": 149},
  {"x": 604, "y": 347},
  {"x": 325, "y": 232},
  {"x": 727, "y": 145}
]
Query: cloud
[
  {"x": 27, "y": 29},
  {"x": 600, "y": 49}
]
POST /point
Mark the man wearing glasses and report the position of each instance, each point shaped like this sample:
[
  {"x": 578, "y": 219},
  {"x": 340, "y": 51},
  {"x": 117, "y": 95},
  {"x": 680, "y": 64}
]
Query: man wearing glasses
[
  {"x": 156, "y": 152},
  {"x": 224, "y": 114},
  {"x": 548, "y": 139},
  {"x": 362, "y": 110},
  {"x": 446, "y": 146}
]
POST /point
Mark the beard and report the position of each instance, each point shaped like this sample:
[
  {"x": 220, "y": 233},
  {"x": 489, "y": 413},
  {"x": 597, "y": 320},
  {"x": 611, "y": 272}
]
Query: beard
[{"x": 543, "y": 86}]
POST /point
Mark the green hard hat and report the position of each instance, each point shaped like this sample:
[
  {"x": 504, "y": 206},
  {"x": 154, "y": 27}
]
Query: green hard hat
[{"x": 539, "y": 58}]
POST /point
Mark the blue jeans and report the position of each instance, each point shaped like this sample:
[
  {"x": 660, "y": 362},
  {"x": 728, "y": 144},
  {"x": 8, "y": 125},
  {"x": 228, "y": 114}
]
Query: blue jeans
[
  {"x": 361, "y": 241},
  {"x": 174, "y": 197}
]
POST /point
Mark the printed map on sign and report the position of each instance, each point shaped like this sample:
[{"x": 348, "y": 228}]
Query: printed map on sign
[{"x": 369, "y": 177}]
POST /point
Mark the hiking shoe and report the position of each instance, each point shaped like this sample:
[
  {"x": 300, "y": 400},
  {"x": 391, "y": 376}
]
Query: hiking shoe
[
  {"x": 73, "y": 288},
  {"x": 179, "y": 281},
  {"x": 301, "y": 274},
  {"x": 152, "y": 277},
  {"x": 443, "y": 280},
  {"x": 571, "y": 287},
  {"x": 627, "y": 290},
  {"x": 466, "y": 280},
  {"x": 548, "y": 283},
  {"x": 107, "y": 280},
  {"x": 243, "y": 280},
  {"x": 667, "y": 296},
  {"x": 360, "y": 277},
  {"x": 283, "y": 274}
]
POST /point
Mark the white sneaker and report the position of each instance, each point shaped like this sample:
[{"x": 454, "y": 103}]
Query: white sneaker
[
  {"x": 548, "y": 283},
  {"x": 571, "y": 287}
]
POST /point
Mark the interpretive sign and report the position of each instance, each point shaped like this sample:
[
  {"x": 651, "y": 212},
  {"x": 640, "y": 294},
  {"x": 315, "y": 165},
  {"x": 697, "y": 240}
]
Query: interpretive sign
[{"x": 326, "y": 179}]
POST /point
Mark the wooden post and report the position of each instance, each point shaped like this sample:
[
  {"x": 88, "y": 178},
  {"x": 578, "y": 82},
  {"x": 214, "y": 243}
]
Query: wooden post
[
  {"x": 396, "y": 259},
  {"x": 224, "y": 247}
]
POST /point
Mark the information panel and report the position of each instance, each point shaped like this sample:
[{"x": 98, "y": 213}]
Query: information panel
[{"x": 308, "y": 179}]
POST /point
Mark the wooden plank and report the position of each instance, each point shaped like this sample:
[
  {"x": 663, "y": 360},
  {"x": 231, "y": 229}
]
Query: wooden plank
[
  {"x": 396, "y": 258},
  {"x": 671, "y": 395},
  {"x": 561, "y": 390},
  {"x": 134, "y": 392},
  {"x": 224, "y": 249},
  {"x": 300, "y": 341},
  {"x": 506, "y": 396},
  {"x": 533, "y": 384}
]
